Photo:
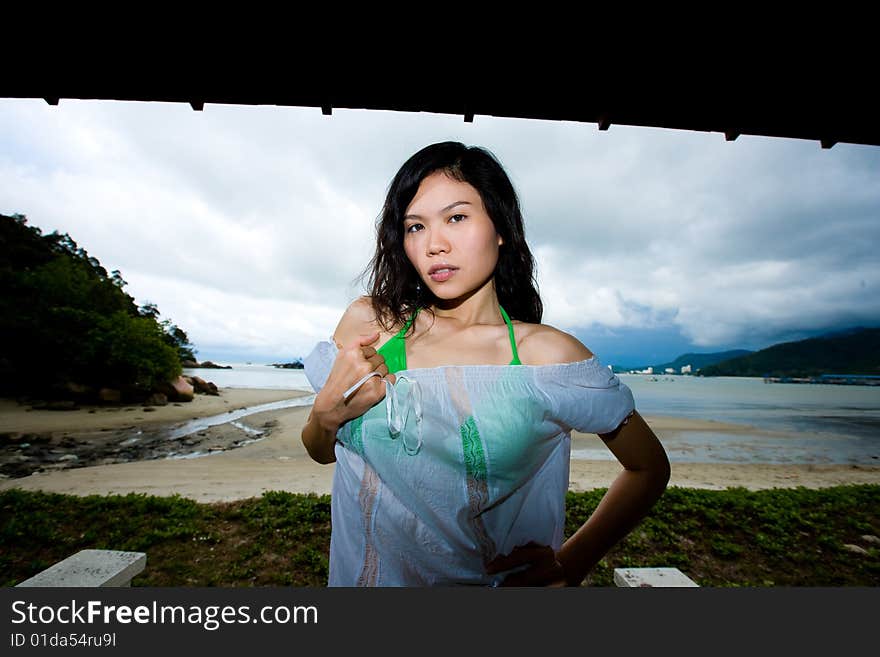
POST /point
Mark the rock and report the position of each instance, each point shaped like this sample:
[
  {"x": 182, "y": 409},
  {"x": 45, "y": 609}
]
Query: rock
[
  {"x": 189, "y": 363},
  {"x": 109, "y": 395},
  {"x": 68, "y": 457},
  {"x": 183, "y": 391},
  {"x": 855, "y": 548},
  {"x": 870, "y": 538},
  {"x": 62, "y": 405},
  {"x": 204, "y": 387},
  {"x": 156, "y": 399},
  {"x": 214, "y": 366},
  {"x": 11, "y": 438},
  {"x": 78, "y": 391}
]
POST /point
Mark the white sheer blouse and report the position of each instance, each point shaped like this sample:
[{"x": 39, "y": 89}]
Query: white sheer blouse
[{"x": 457, "y": 465}]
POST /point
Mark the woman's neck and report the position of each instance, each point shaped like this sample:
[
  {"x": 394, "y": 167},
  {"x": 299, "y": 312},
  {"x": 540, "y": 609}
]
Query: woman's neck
[{"x": 478, "y": 307}]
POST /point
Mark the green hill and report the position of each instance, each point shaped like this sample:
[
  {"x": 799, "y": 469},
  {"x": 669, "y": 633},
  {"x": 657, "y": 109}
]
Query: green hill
[
  {"x": 696, "y": 361},
  {"x": 66, "y": 325},
  {"x": 699, "y": 361},
  {"x": 853, "y": 351}
]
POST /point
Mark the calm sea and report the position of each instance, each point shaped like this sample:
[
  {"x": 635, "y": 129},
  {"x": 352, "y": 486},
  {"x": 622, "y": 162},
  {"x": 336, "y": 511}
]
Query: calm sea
[
  {"x": 254, "y": 376},
  {"x": 783, "y": 422}
]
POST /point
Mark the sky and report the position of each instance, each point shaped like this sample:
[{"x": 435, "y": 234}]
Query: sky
[{"x": 248, "y": 226}]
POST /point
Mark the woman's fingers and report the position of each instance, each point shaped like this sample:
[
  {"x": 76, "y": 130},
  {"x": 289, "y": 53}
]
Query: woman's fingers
[
  {"x": 543, "y": 574},
  {"x": 521, "y": 554},
  {"x": 364, "y": 340},
  {"x": 363, "y": 359},
  {"x": 544, "y": 568}
]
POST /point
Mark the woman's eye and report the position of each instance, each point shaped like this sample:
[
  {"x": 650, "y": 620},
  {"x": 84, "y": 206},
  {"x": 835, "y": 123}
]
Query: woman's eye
[
  {"x": 413, "y": 228},
  {"x": 456, "y": 215}
]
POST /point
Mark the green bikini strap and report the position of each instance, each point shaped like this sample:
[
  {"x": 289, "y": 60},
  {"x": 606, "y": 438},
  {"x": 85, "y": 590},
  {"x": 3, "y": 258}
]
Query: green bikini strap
[
  {"x": 507, "y": 321},
  {"x": 408, "y": 323},
  {"x": 394, "y": 350}
]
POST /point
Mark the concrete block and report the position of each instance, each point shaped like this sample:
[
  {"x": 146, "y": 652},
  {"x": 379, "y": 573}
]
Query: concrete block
[
  {"x": 91, "y": 568},
  {"x": 651, "y": 577}
]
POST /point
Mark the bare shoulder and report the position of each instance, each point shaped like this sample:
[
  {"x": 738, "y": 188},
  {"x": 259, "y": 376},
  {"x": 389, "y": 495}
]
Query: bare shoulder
[
  {"x": 541, "y": 344},
  {"x": 358, "y": 320}
]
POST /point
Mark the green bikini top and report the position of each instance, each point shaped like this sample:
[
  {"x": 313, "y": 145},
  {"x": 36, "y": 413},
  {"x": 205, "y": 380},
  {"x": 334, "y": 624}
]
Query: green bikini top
[{"x": 394, "y": 351}]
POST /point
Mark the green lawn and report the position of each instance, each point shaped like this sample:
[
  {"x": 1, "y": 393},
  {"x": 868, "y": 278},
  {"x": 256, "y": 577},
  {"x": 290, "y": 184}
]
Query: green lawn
[{"x": 735, "y": 537}]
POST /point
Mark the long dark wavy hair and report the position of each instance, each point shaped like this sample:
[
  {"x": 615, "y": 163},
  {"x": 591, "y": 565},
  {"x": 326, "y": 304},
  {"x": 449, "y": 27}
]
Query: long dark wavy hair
[{"x": 394, "y": 283}]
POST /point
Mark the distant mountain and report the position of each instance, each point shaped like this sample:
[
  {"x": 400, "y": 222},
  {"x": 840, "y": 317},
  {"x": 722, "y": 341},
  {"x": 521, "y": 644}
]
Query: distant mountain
[
  {"x": 696, "y": 361},
  {"x": 849, "y": 351},
  {"x": 842, "y": 332},
  {"x": 699, "y": 361}
]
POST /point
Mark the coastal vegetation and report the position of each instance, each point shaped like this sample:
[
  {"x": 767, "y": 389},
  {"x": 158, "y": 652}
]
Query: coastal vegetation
[
  {"x": 856, "y": 351},
  {"x": 67, "y": 326},
  {"x": 728, "y": 538}
]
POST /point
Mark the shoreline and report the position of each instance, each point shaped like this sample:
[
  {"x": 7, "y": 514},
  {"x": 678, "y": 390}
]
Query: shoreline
[
  {"x": 15, "y": 417},
  {"x": 278, "y": 461}
]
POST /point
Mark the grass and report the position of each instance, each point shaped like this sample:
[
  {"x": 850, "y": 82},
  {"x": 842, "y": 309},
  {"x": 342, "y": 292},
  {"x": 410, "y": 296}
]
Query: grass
[{"x": 734, "y": 537}]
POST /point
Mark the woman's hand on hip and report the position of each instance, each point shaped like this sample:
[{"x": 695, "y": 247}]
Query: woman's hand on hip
[{"x": 543, "y": 568}]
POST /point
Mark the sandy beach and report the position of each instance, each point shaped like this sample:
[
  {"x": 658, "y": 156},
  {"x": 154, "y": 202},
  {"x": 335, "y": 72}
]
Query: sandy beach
[{"x": 279, "y": 462}]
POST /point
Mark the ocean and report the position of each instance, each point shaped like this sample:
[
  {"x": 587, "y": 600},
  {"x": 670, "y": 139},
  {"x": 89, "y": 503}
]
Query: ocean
[
  {"x": 782, "y": 422},
  {"x": 245, "y": 375}
]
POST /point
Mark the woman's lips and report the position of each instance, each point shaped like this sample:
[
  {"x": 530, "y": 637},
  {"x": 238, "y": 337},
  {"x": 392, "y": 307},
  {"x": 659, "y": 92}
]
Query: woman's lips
[{"x": 444, "y": 274}]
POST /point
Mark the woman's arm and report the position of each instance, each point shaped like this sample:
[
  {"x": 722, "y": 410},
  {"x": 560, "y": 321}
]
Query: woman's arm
[
  {"x": 628, "y": 500},
  {"x": 319, "y": 438},
  {"x": 630, "y": 497}
]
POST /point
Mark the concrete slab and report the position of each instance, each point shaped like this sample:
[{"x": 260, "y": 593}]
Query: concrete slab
[
  {"x": 651, "y": 577},
  {"x": 91, "y": 568}
]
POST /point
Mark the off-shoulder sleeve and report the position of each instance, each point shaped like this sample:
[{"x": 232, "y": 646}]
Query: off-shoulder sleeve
[
  {"x": 319, "y": 362},
  {"x": 585, "y": 396}
]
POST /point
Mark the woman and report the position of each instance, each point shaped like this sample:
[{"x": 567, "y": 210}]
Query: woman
[{"x": 447, "y": 406}]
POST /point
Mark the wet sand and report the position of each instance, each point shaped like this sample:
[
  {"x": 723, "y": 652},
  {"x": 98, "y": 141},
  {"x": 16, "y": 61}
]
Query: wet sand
[{"x": 279, "y": 462}]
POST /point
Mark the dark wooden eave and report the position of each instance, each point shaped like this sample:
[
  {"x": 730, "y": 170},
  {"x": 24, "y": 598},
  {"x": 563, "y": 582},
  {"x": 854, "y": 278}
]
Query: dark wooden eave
[{"x": 843, "y": 115}]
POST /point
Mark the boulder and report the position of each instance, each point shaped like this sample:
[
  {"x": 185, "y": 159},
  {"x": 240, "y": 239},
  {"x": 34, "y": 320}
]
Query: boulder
[
  {"x": 78, "y": 390},
  {"x": 183, "y": 391},
  {"x": 109, "y": 395},
  {"x": 204, "y": 387},
  {"x": 156, "y": 399}
]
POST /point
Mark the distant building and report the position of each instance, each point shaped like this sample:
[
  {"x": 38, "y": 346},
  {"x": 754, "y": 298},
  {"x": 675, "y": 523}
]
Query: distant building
[
  {"x": 669, "y": 370},
  {"x": 685, "y": 369}
]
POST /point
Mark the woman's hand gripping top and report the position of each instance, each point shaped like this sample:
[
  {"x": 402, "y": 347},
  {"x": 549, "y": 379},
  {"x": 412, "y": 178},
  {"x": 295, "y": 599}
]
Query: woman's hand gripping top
[{"x": 331, "y": 408}]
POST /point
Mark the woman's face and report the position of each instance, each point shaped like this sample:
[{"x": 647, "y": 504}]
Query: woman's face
[{"x": 449, "y": 238}]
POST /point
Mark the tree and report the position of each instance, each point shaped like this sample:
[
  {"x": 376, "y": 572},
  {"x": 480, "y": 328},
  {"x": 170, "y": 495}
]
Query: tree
[
  {"x": 64, "y": 319},
  {"x": 177, "y": 338}
]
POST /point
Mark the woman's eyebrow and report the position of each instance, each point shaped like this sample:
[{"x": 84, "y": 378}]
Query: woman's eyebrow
[{"x": 442, "y": 210}]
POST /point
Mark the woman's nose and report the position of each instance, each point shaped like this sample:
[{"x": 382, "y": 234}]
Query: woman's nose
[{"x": 438, "y": 242}]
